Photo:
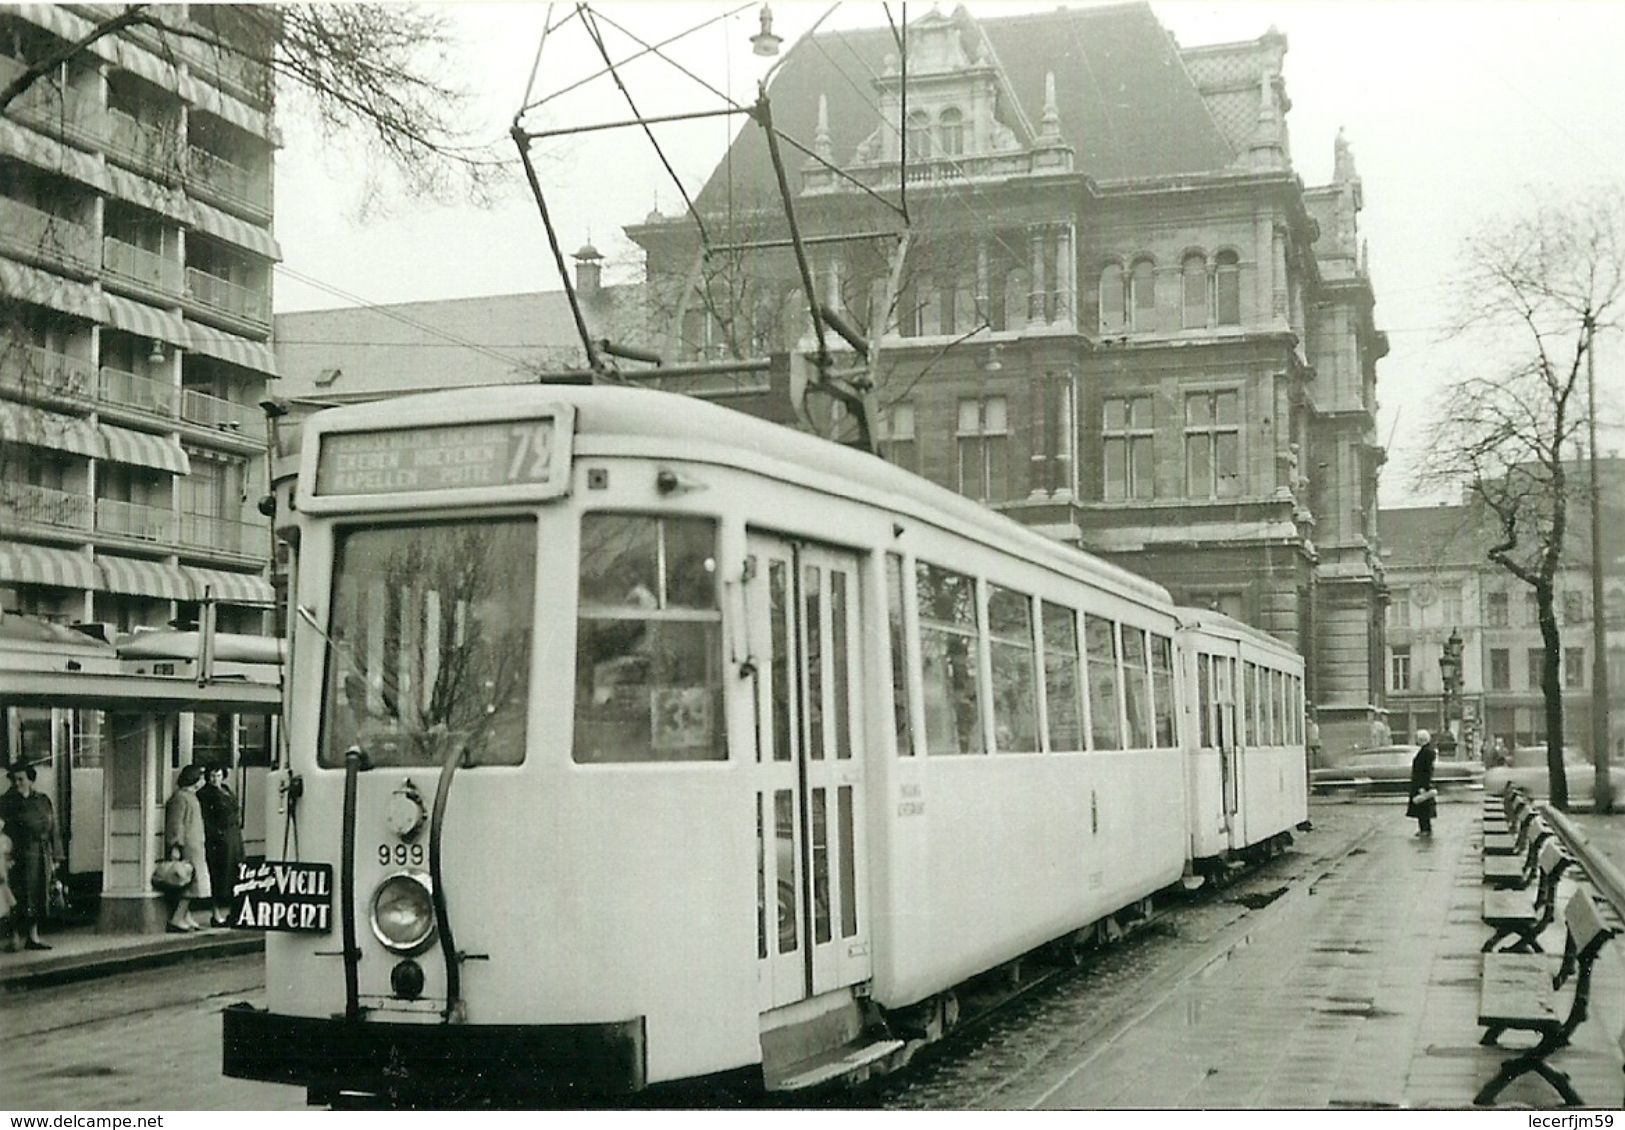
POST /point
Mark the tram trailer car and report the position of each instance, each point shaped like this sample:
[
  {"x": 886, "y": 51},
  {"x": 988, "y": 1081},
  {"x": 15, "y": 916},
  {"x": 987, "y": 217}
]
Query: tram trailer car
[{"x": 649, "y": 741}]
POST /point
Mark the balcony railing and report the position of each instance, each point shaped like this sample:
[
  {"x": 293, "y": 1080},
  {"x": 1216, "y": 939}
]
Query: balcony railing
[
  {"x": 140, "y": 266},
  {"x": 226, "y": 296},
  {"x": 132, "y": 520},
  {"x": 23, "y": 504},
  {"x": 230, "y": 182},
  {"x": 221, "y": 535},
  {"x": 38, "y": 374},
  {"x": 137, "y": 393},
  {"x": 225, "y": 415},
  {"x": 149, "y": 145},
  {"x": 77, "y": 117},
  {"x": 33, "y": 233}
]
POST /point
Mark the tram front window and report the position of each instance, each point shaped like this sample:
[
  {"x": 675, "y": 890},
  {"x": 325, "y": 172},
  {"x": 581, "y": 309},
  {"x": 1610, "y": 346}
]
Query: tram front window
[
  {"x": 648, "y": 641},
  {"x": 430, "y": 642}
]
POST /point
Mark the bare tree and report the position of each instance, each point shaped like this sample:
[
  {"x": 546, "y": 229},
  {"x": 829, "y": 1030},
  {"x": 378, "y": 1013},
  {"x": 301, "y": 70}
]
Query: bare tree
[
  {"x": 1535, "y": 288},
  {"x": 378, "y": 74}
]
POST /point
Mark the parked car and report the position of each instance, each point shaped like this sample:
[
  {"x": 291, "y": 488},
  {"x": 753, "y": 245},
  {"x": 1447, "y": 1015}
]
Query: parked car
[
  {"x": 1387, "y": 768},
  {"x": 1528, "y": 771}
]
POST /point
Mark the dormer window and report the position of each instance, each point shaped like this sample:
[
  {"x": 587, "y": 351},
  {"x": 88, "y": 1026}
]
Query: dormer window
[{"x": 951, "y": 133}]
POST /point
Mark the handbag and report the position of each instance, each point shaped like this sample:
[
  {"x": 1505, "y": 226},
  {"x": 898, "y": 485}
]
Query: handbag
[
  {"x": 56, "y": 900},
  {"x": 172, "y": 875},
  {"x": 1424, "y": 796}
]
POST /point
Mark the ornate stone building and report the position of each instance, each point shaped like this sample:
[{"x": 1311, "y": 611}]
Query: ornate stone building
[{"x": 1122, "y": 319}]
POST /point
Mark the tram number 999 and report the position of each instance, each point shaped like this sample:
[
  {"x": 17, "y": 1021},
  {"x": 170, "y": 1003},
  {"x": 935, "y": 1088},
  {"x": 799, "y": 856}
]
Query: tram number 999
[{"x": 400, "y": 855}]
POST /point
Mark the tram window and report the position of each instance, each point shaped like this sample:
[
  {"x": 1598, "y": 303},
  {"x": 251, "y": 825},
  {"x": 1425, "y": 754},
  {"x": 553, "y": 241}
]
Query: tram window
[
  {"x": 949, "y": 646},
  {"x": 812, "y": 600},
  {"x": 1204, "y": 698},
  {"x": 648, "y": 641},
  {"x": 1255, "y": 706},
  {"x": 899, "y": 656},
  {"x": 1136, "y": 688},
  {"x": 1249, "y": 696},
  {"x": 430, "y": 642},
  {"x": 1297, "y": 710},
  {"x": 1278, "y": 713},
  {"x": 1015, "y": 671},
  {"x": 253, "y": 740},
  {"x": 778, "y": 584},
  {"x": 1162, "y": 689},
  {"x": 211, "y": 739},
  {"x": 1063, "y": 678},
  {"x": 1100, "y": 644},
  {"x": 842, "y": 696}
]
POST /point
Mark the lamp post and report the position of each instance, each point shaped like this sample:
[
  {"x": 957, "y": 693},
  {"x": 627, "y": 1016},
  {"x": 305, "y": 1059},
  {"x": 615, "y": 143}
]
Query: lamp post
[{"x": 1450, "y": 677}]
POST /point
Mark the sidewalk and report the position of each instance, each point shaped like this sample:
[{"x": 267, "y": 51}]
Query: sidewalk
[
  {"x": 79, "y": 952},
  {"x": 1360, "y": 991}
]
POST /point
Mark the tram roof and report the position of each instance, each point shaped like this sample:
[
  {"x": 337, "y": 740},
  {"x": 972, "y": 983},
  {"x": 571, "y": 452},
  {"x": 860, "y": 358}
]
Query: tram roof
[
  {"x": 1212, "y": 620},
  {"x": 686, "y": 427}
]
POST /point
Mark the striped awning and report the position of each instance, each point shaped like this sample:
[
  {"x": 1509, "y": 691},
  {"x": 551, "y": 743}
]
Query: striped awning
[
  {"x": 27, "y": 284},
  {"x": 239, "y": 233},
  {"x": 53, "y": 431},
  {"x": 143, "y": 578},
  {"x": 151, "y": 195},
  {"x": 32, "y": 149},
  {"x": 140, "y": 61},
  {"x": 210, "y": 342},
  {"x": 148, "y": 321},
  {"x": 43, "y": 565},
  {"x": 205, "y": 97},
  {"x": 229, "y": 588},
  {"x": 140, "y": 449}
]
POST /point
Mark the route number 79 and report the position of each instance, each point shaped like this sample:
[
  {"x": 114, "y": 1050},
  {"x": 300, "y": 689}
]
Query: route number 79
[{"x": 530, "y": 451}]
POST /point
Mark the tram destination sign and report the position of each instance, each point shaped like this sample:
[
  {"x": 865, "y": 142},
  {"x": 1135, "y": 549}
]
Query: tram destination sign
[{"x": 439, "y": 457}]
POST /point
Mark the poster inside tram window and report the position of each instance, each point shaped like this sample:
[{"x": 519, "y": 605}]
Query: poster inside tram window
[{"x": 285, "y": 896}]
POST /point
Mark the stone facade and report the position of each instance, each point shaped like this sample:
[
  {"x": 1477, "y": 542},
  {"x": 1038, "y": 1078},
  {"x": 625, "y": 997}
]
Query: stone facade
[{"x": 1122, "y": 319}]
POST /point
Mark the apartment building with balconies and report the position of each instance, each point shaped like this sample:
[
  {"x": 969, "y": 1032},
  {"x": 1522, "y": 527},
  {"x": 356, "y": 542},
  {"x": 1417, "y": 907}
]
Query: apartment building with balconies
[{"x": 136, "y": 260}]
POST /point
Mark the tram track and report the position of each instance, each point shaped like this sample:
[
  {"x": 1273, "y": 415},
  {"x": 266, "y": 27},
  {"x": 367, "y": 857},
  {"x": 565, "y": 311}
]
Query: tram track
[{"x": 1252, "y": 891}]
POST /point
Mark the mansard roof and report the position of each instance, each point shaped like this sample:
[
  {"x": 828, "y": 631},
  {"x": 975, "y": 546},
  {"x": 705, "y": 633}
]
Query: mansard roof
[{"x": 1128, "y": 107}]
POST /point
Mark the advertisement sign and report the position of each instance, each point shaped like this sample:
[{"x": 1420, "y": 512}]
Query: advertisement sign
[{"x": 291, "y": 897}]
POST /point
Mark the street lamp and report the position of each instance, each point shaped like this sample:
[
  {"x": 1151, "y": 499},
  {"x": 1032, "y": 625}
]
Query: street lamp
[{"x": 1450, "y": 677}]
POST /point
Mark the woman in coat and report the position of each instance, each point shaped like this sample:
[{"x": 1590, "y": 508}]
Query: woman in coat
[
  {"x": 184, "y": 839},
  {"x": 31, "y": 826},
  {"x": 1422, "y": 785},
  {"x": 222, "y": 839}
]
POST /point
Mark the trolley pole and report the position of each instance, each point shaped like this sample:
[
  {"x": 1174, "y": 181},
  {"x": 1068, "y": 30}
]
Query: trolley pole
[{"x": 1604, "y": 796}]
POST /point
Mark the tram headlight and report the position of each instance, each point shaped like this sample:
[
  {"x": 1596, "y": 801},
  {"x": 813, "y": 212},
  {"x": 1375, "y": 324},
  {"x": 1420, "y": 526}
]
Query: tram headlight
[{"x": 403, "y": 912}]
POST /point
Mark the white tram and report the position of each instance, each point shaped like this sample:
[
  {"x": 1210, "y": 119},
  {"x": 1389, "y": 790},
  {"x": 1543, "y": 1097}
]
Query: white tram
[{"x": 644, "y": 740}]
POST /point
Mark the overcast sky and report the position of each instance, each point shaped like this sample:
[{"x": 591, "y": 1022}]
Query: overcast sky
[{"x": 1457, "y": 111}]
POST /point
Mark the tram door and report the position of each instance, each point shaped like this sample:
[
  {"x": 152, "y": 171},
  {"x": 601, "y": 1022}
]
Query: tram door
[{"x": 812, "y": 928}]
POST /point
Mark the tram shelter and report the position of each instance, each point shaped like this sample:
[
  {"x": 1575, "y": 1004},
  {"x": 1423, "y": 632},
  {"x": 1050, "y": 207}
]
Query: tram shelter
[{"x": 144, "y": 683}]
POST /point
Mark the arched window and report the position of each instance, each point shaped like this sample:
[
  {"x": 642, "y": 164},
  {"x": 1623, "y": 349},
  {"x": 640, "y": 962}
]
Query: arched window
[
  {"x": 951, "y": 133},
  {"x": 1227, "y": 289},
  {"x": 918, "y": 137},
  {"x": 1112, "y": 314},
  {"x": 1193, "y": 272},
  {"x": 1143, "y": 286}
]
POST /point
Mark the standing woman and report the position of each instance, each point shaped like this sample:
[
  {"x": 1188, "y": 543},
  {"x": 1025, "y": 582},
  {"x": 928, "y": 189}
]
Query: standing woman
[
  {"x": 1423, "y": 804},
  {"x": 30, "y": 824},
  {"x": 183, "y": 838},
  {"x": 222, "y": 840}
]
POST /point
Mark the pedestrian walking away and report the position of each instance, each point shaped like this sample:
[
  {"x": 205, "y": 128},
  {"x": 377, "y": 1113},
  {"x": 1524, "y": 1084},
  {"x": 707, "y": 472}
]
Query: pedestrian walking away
[
  {"x": 1424, "y": 798},
  {"x": 30, "y": 824},
  {"x": 222, "y": 839},
  {"x": 184, "y": 840}
]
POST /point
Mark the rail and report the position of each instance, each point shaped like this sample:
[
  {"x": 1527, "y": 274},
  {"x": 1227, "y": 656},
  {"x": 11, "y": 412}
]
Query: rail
[{"x": 1608, "y": 880}]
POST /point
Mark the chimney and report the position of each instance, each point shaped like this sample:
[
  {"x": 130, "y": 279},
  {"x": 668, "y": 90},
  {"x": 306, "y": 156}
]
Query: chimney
[{"x": 589, "y": 270}]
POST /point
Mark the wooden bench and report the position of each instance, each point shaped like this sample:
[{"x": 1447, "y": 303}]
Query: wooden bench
[
  {"x": 1514, "y": 839},
  {"x": 1511, "y": 912},
  {"x": 1518, "y": 871},
  {"x": 1519, "y": 991}
]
